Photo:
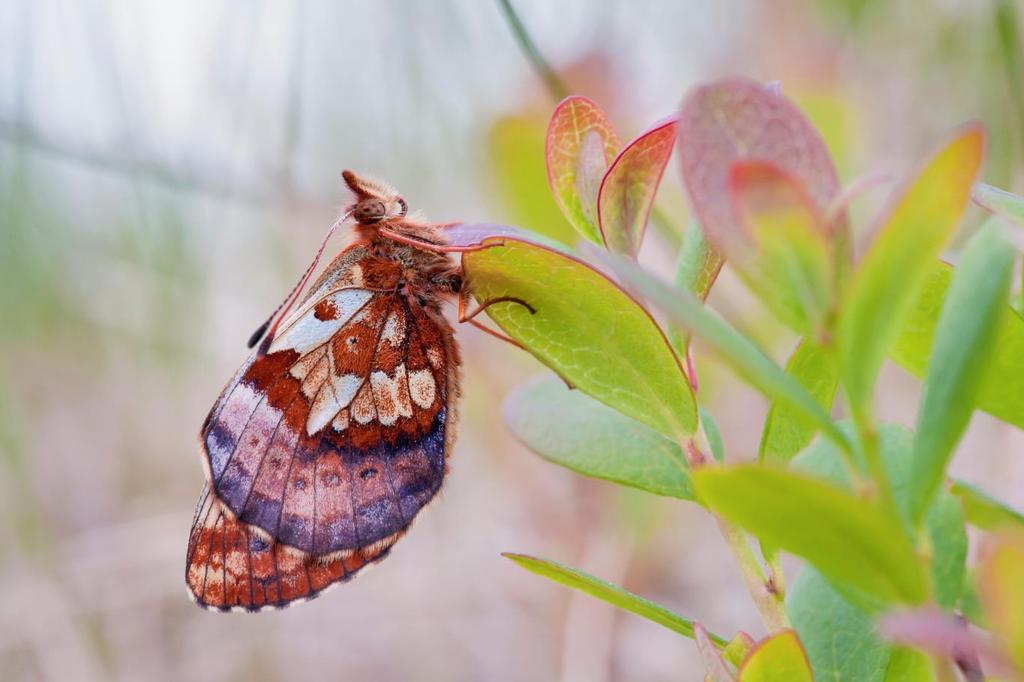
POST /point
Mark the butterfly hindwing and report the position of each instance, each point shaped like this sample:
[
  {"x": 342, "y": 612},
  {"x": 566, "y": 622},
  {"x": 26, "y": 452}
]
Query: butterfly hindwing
[
  {"x": 230, "y": 565},
  {"x": 336, "y": 436}
]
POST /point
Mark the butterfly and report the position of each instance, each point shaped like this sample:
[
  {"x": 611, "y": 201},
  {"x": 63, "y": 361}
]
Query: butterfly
[{"x": 335, "y": 432}]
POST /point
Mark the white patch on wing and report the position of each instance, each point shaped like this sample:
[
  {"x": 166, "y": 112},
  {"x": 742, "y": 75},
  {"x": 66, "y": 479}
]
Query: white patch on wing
[
  {"x": 345, "y": 387},
  {"x": 391, "y": 395},
  {"x": 435, "y": 357},
  {"x": 321, "y": 412},
  {"x": 422, "y": 387},
  {"x": 331, "y": 397},
  {"x": 312, "y": 370},
  {"x": 363, "y": 411},
  {"x": 304, "y": 332},
  {"x": 340, "y": 422},
  {"x": 307, "y": 363},
  {"x": 394, "y": 329}
]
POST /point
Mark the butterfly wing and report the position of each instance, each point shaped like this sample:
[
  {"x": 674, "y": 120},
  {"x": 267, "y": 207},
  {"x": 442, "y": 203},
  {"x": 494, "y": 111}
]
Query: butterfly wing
[
  {"x": 337, "y": 436},
  {"x": 230, "y": 565}
]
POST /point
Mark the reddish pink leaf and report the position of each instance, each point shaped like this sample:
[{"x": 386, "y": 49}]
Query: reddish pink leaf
[
  {"x": 580, "y": 144},
  {"x": 943, "y": 634},
  {"x": 628, "y": 188},
  {"x": 763, "y": 194},
  {"x": 735, "y": 119}
]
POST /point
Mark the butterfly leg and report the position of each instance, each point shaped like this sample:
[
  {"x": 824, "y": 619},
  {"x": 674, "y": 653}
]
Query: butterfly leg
[{"x": 463, "y": 317}]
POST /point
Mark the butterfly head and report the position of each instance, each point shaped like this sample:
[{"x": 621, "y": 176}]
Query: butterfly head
[{"x": 375, "y": 201}]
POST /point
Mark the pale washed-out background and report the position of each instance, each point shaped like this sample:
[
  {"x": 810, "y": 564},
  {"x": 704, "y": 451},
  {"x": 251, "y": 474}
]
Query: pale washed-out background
[{"x": 166, "y": 170}]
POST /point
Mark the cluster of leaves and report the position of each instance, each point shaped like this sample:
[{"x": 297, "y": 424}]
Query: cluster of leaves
[{"x": 867, "y": 505}]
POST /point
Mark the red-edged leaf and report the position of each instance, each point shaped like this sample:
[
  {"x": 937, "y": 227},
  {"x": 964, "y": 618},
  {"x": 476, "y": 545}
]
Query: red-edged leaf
[
  {"x": 628, "y": 188},
  {"x": 580, "y": 145},
  {"x": 736, "y": 118},
  {"x": 580, "y": 323},
  {"x": 779, "y": 657}
]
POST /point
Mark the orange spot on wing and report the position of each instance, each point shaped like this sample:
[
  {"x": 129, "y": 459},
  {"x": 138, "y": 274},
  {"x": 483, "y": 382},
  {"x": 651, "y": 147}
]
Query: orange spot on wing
[{"x": 325, "y": 310}]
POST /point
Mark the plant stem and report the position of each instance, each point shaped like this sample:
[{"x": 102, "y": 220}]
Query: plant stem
[
  {"x": 551, "y": 80},
  {"x": 776, "y": 576},
  {"x": 764, "y": 591},
  {"x": 768, "y": 602}
]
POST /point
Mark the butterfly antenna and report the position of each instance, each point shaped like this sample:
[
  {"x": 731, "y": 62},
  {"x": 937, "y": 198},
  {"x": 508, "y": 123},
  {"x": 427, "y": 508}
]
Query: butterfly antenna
[{"x": 269, "y": 327}]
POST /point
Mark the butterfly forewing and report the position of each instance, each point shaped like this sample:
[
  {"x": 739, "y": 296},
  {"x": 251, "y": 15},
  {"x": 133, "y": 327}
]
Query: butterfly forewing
[{"x": 336, "y": 437}]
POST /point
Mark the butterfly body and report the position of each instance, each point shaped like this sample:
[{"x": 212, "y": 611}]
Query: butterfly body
[{"x": 335, "y": 432}]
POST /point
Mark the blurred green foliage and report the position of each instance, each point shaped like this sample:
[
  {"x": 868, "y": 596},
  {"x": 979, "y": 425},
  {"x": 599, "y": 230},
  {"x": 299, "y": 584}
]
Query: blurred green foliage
[{"x": 865, "y": 505}]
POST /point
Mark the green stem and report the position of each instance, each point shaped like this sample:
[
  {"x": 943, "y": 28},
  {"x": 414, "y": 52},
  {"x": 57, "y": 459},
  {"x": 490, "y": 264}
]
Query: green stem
[
  {"x": 776, "y": 576},
  {"x": 767, "y": 598},
  {"x": 768, "y": 601},
  {"x": 551, "y": 80}
]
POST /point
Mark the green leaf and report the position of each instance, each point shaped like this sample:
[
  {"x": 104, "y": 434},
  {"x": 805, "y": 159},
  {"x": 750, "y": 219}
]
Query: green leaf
[
  {"x": 699, "y": 263},
  {"x": 627, "y": 190},
  {"x": 787, "y": 431},
  {"x": 964, "y": 338},
  {"x": 697, "y": 269},
  {"x": 848, "y": 539},
  {"x": 888, "y": 280},
  {"x": 948, "y": 537},
  {"x": 970, "y": 602},
  {"x": 945, "y": 522},
  {"x": 713, "y": 434},
  {"x": 779, "y": 657},
  {"x": 823, "y": 459},
  {"x": 586, "y": 328},
  {"x": 749, "y": 361},
  {"x": 580, "y": 144},
  {"x": 909, "y": 665},
  {"x": 571, "y": 429},
  {"x": 984, "y": 511},
  {"x": 840, "y": 639},
  {"x": 787, "y": 265},
  {"x": 738, "y": 649},
  {"x": 1001, "y": 393},
  {"x": 616, "y": 596},
  {"x": 1000, "y": 202}
]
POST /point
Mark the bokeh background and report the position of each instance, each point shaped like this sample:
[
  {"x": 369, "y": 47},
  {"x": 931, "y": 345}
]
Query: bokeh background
[{"x": 166, "y": 171}]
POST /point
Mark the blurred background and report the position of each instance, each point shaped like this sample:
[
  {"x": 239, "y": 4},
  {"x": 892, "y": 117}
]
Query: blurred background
[{"x": 166, "y": 172}]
